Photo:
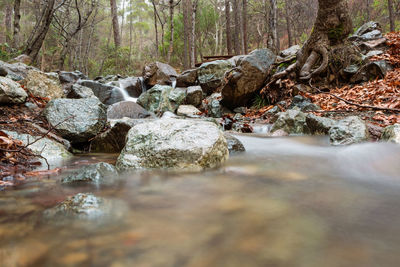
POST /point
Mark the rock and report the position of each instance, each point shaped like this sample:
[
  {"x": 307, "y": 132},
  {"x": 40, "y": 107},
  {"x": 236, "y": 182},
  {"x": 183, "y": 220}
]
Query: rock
[
  {"x": 25, "y": 59},
  {"x": 71, "y": 76},
  {"x": 133, "y": 86},
  {"x": 391, "y": 134},
  {"x": 17, "y": 71},
  {"x": 162, "y": 98},
  {"x": 159, "y": 73},
  {"x": 188, "y": 111},
  {"x": 375, "y": 131},
  {"x": 113, "y": 139},
  {"x": 373, "y": 35},
  {"x": 99, "y": 173},
  {"x": 108, "y": 79},
  {"x": 79, "y": 91},
  {"x": 77, "y": 120},
  {"x": 11, "y": 92},
  {"x": 169, "y": 115},
  {"x": 234, "y": 144},
  {"x": 368, "y": 27},
  {"x": 234, "y": 60},
  {"x": 107, "y": 94},
  {"x": 303, "y": 104},
  {"x": 291, "y": 122},
  {"x": 187, "y": 78},
  {"x": 213, "y": 107},
  {"x": 54, "y": 152},
  {"x": 194, "y": 96},
  {"x": 371, "y": 71},
  {"x": 127, "y": 109},
  {"x": 241, "y": 110},
  {"x": 348, "y": 131},
  {"x": 279, "y": 133},
  {"x": 373, "y": 44},
  {"x": 174, "y": 144},
  {"x": 211, "y": 75},
  {"x": 319, "y": 125},
  {"x": 243, "y": 81},
  {"x": 288, "y": 54},
  {"x": 42, "y": 85},
  {"x": 371, "y": 54},
  {"x": 85, "y": 207},
  {"x": 273, "y": 111}
]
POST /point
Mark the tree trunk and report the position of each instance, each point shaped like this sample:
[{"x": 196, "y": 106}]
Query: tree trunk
[
  {"x": 17, "y": 27},
  {"x": 35, "y": 43},
  {"x": 287, "y": 17},
  {"x": 391, "y": 16},
  {"x": 123, "y": 19},
  {"x": 130, "y": 33},
  {"x": 7, "y": 22},
  {"x": 228, "y": 27},
  {"x": 272, "y": 29},
  {"x": 114, "y": 16},
  {"x": 186, "y": 34},
  {"x": 155, "y": 25},
  {"x": 236, "y": 39},
  {"x": 193, "y": 35},
  {"x": 244, "y": 26},
  {"x": 331, "y": 28},
  {"x": 368, "y": 9}
]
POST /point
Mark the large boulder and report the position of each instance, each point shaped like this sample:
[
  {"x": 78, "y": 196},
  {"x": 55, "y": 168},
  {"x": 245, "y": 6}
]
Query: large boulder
[
  {"x": 211, "y": 75},
  {"x": 126, "y": 109},
  {"x": 79, "y": 91},
  {"x": 17, "y": 71},
  {"x": 98, "y": 173},
  {"x": 108, "y": 94},
  {"x": 159, "y": 73},
  {"x": 247, "y": 78},
  {"x": 194, "y": 96},
  {"x": 113, "y": 139},
  {"x": 391, "y": 134},
  {"x": 162, "y": 98},
  {"x": 319, "y": 125},
  {"x": 348, "y": 131},
  {"x": 11, "y": 92},
  {"x": 77, "y": 120},
  {"x": 133, "y": 86},
  {"x": 43, "y": 85},
  {"x": 54, "y": 152},
  {"x": 174, "y": 144},
  {"x": 187, "y": 78},
  {"x": 291, "y": 122},
  {"x": 71, "y": 76}
]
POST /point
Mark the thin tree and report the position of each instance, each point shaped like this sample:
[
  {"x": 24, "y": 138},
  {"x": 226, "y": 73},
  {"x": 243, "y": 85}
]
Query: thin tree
[
  {"x": 155, "y": 14},
  {"x": 186, "y": 33},
  {"x": 171, "y": 6},
  {"x": 114, "y": 17},
  {"x": 193, "y": 35},
  {"x": 391, "y": 16},
  {"x": 236, "y": 27},
  {"x": 228, "y": 27},
  {"x": 244, "y": 26},
  {"x": 287, "y": 18},
  {"x": 273, "y": 42},
  {"x": 17, "y": 27},
  {"x": 7, "y": 22}
]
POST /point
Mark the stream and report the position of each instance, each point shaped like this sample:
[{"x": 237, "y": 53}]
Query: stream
[{"x": 285, "y": 202}]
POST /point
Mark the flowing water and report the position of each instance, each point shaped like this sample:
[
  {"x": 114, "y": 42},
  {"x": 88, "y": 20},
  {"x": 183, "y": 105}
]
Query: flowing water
[
  {"x": 285, "y": 202},
  {"x": 125, "y": 94}
]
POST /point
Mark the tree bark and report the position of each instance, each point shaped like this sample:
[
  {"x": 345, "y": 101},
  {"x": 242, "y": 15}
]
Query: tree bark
[
  {"x": 391, "y": 16},
  {"x": 186, "y": 33},
  {"x": 17, "y": 26},
  {"x": 155, "y": 25},
  {"x": 228, "y": 27},
  {"x": 244, "y": 26},
  {"x": 287, "y": 17},
  {"x": 171, "y": 25},
  {"x": 7, "y": 22},
  {"x": 193, "y": 35},
  {"x": 272, "y": 27},
  {"x": 114, "y": 17},
  {"x": 236, "y": 27}
]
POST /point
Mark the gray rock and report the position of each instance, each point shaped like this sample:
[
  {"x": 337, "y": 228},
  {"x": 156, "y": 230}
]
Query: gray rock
[
  {"x": 194, "y": 96},
  {"x": 107, "y": 94},
  {"x": 212, "y": 105},
  {"x": 79, "y": 91},
  {"x": 234, "y": 60},
  {"x": 162, "y": 98},
  {"x": 17, "y": 71},
  {"x": 113, "y": 139},
  {"x": 174, "y": 144},
  {"x": 371, "y": 54},
  {"x": 132, "y": 85},
  {"x": 159, "y": 73},
  {"x": 11, "y": 92},
  {"x": 126, "y": 109},
  {"x": 169, "y": 115},
  {"x": 241, "y": 110},
  {"x": 303, "y": 104},
  {"x": 234, "y": 144},
  {"x": 368, "y": 27},
  {"x": 348, "y": 131},
  {"x": 188, "y": 111},
  {"x": 291, "y": 122},
  {"x": 71, "y": 76},
  {"x": 187, "y": 78},
  {"x": 54, "y": 152},
  {"x": 42, "y": 85},
  {"x": 211, "y": 74},
  {"x": 369, "y": 31},
  {"x": 373, "y": 35},
  {"x": 371, "y": 71},
  {"x": 291, "y": 51},
  {"x": 391, "y": 134},
  {"x": 272, "y": 111},
  {"x": 242, "y": 82},
  {"x": 77, "y": 120},
  {"x": 319, "y": 125},
  {"x": 99, "y": 173}
]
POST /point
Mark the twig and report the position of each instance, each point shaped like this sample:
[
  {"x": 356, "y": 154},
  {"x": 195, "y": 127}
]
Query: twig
[{"x": 352, "y": 103}]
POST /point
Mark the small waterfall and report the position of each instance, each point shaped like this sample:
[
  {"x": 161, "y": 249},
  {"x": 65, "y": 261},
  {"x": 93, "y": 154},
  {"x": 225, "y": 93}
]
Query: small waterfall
[
  {"x": 143, "y": 84},
  {"x": 125, "y": 94},
  {"x": 173, "y": 82}
]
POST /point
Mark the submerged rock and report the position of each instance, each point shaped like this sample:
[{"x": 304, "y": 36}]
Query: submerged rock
[
  {"x": 77, "y": 120},
  {"x": 348, "y": 131},
  {"x": 291, "y": 122},
  {"x": 391, "y": 134},
  {"x": 234, "y": 144},
  {"x": 243, "y": 81},
  {"x": 126, "y": 109},
  {"x": 174, "y": 144},
  {"x": 211, "y": 74},
  {"x": 159, "y": 73},
  {"x": 162, "y": 98},
  {"x": 99, "y": 173},
  {"x": 11, "y": 92},
  {"x": 43, "y": 85}
]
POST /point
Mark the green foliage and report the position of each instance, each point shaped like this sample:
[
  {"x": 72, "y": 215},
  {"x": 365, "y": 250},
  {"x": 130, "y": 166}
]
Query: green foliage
[
  {"x": 7, "y": 53},
  {"x": 259, "y": 102}
]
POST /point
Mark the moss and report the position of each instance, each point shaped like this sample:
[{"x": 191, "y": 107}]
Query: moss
[{"x": 336, "y": 33}]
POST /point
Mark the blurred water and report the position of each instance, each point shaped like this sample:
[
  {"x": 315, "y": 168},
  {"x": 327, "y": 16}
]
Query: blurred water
[{"x": 285, "y": 202}]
